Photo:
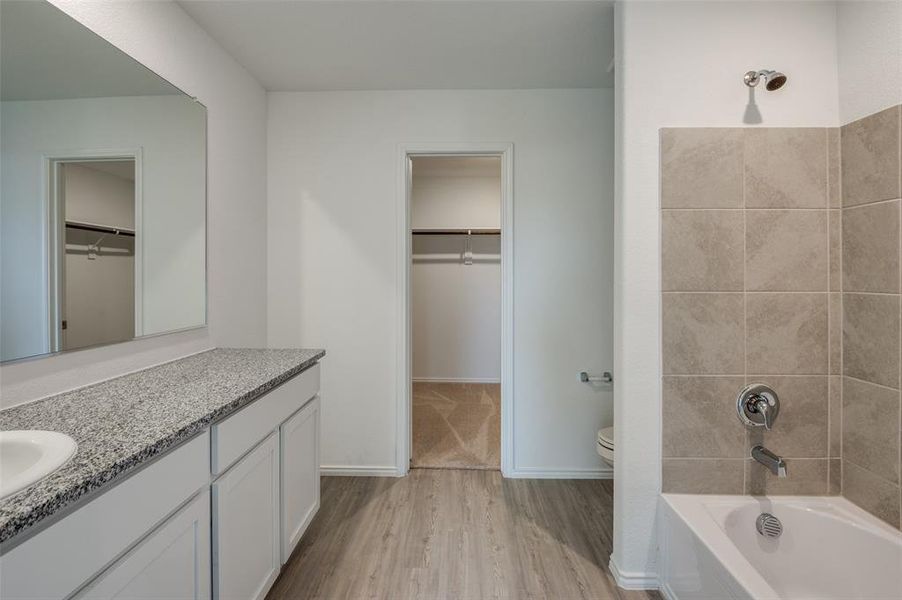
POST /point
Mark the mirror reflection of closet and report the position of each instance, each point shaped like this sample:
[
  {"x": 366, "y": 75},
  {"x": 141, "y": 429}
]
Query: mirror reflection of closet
[{"x": 96, "y": 277}]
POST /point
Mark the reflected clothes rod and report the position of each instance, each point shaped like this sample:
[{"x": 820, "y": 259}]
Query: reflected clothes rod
[
  {"x": 483, "y": 231},
  {"x": 100, "y": 228}
]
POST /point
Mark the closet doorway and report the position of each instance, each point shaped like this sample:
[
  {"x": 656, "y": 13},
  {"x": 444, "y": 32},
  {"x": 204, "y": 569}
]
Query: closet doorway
[
  {"x": 94, "y": 204},
  {"x": 455, "y": 315}
]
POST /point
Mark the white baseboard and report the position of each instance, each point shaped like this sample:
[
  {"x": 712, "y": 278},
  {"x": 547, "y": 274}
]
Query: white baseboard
[
  {"x": 358, "y": 471},
  {"x": 455, "y": 380},
  {"x": 633, "y": 580},
  {"x": 666, "y": 592},
  {"x": 529, "y": 473}
]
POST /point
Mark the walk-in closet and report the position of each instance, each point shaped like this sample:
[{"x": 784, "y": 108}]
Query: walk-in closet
[{"x": 455, "y": 282}]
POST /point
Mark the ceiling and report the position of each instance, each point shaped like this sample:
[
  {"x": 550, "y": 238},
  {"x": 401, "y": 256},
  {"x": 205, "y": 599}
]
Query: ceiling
[
  {"x": 305, "y": 45},
  {"x": 47, "y": 55}
]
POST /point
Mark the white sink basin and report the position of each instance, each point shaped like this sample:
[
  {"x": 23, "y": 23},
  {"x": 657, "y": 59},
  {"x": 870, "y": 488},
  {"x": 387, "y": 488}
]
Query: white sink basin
[{"x": 28, "y": 456}]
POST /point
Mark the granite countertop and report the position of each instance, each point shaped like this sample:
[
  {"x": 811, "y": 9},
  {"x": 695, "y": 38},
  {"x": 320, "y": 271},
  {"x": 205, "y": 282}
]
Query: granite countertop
[{"x": 122, "y": 423}]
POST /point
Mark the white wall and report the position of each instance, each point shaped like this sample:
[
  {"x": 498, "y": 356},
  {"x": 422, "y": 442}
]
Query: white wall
[
  {"x": 448, "y": 202},
  {"x": 170, "y": 133},
  {"x": 333, "y": 243},
  {"x": 680, "y": 64},
  {"x": 97, "y": 196},
  {"x": 455, "y": 307},
  {"x": 869, "y": 38},
  {"x": 164, "y": 38}
]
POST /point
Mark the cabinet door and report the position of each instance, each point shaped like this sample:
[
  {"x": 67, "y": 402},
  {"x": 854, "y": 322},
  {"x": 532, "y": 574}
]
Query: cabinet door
[
  {"x": 300, "y": 474},
  {"x": 172, "y": 562},
  {"x": 246, "y": 525}
]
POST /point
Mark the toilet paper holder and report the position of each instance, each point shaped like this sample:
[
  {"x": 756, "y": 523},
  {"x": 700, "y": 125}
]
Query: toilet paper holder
[{"x": 605, "y": 377}]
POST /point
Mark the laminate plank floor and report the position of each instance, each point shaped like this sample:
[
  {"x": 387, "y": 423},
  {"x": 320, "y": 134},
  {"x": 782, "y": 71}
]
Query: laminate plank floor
[{"x": 456, "y": 534}]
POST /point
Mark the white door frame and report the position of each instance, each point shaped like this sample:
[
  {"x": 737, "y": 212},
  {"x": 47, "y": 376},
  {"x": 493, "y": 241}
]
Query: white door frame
[
  {"x": 505, "y": 152},
  {"x": 56, "y": 237}
]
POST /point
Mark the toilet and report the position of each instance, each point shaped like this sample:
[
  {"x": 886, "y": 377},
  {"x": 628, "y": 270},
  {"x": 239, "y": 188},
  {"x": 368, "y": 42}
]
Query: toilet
[{"x": 605, "y": 444}]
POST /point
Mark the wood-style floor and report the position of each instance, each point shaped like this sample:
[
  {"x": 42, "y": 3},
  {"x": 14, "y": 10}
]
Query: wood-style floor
[{"x": 465, "y": 534}]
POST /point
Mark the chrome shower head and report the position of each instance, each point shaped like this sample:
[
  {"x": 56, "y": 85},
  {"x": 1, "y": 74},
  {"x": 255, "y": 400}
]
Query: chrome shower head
[{"x": 773, "y": 80}]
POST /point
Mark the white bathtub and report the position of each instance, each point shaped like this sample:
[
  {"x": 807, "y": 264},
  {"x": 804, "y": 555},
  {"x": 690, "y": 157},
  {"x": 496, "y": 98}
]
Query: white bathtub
[{"x": 830, "y": 549}]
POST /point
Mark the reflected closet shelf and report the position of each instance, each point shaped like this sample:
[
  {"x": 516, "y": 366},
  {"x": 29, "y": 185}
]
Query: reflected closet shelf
[
  {"x": 473, "y": 231},
  {"x": 100, "y": 228}
]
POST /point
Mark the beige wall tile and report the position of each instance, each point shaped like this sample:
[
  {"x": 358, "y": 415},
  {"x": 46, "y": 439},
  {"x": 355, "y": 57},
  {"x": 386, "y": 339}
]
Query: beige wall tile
[
  {"x": 703, "y": 333},
  {"x": 872, "y": 493},
  {"x": 701, "y": 168},
  {"x": 787, "y": 334},
  {"x": 871, "y": 427},
  {"x": 834, "y": 446},
  {"x": 803, "y": 477},
  {"x": 699, "y": 417},
  {"x": 834, "y": 300},
  {"x": 871, "y": 338},
  {"x": 801, "y": 428},
  {"x": 834, "y": 218},
  {"x": 702, "y": 250},
  {"x": 870, "y": 158},
  {"x": 786, "y": 250},
  {"x": 834, "y": 169},
  {"x": 703, "y": 475},
  {"x": 834, "y": 476},
  {"x": 785, "y": 168},
  {"x": 870, "y": 246}
]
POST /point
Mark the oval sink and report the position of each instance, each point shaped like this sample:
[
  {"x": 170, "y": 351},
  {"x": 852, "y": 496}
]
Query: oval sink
[{"x": 28, "y": 456}]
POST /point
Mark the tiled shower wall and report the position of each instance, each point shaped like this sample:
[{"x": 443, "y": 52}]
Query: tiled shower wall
[
  {"x": 751, "y": 279},
  {"x": 781, "y": 265},
  {"x": 871, "y": 427}
]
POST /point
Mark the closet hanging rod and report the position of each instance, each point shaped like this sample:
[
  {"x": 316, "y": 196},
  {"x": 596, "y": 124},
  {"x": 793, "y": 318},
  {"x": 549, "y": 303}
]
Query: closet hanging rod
[
  {"x": 100, "y": 228},
  {"x": 479, "y": 231}
]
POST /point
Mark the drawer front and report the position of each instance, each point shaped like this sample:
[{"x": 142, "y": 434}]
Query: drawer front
[
  {"x": 172, "y": 563},
  {"x": 240, "y": 432},
  {"x": 60, "y": 559}
]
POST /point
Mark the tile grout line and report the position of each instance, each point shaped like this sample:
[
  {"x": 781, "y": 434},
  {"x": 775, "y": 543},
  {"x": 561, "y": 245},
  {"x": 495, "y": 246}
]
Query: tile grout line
[
  {"x": 745, "y": 300},
  {"x": 842, "y": 306},
  {"x": 830, "y": 327}
]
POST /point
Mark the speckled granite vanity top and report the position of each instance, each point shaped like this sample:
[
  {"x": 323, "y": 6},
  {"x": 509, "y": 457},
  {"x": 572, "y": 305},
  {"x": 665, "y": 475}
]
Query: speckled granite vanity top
[{"x": 124, "y": 422}]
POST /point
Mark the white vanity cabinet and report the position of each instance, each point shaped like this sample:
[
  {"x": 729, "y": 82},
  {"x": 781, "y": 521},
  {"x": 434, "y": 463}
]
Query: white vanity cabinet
[
  {"x": 246, "y": 525},
  {"x": 60, "y": 559},
  {"x": 216, "y": 517},
  {"x": 266, "y": 461},
  {"x": 172, "y": 563},
  {"x": 300, "y": 474}
]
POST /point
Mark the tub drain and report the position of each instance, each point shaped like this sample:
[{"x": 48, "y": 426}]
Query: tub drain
[{"x": 768, "y": 525}]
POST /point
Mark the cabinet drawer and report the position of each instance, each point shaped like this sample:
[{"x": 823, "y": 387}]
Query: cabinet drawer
[
  {"x": 64, "y": 556},
  {"x": 240, "y": 432}
]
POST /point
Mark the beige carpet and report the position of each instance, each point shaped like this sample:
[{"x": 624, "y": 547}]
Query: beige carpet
[{"x": 456, "y": 426}]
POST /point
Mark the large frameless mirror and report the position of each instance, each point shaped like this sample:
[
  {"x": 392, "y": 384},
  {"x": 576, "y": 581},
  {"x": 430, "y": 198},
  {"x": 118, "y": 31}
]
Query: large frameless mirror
[{"x": 102, "y": 191}]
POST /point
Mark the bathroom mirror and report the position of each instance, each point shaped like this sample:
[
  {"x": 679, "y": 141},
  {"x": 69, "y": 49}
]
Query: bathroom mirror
[{"x": 102, "y": 191}]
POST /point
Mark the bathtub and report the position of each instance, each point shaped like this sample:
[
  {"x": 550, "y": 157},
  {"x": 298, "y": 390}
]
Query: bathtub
[{"x": 708, "y": 547}]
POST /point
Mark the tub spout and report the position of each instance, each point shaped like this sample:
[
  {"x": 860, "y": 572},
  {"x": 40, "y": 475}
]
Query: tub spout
[{"x": 775, "y": 463}]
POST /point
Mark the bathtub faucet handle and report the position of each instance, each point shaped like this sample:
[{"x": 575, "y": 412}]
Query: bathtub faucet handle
[{"x": 758, "y": 406}]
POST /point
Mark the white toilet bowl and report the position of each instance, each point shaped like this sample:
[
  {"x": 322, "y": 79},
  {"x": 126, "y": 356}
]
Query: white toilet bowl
[{"x": 605, "y": 445}]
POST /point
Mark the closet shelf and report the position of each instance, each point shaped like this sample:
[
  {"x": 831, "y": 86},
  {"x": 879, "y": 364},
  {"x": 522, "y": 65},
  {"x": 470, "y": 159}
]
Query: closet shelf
[
  {"x": 100, "y": 228},
  {"x": 473, "y": 231}
]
